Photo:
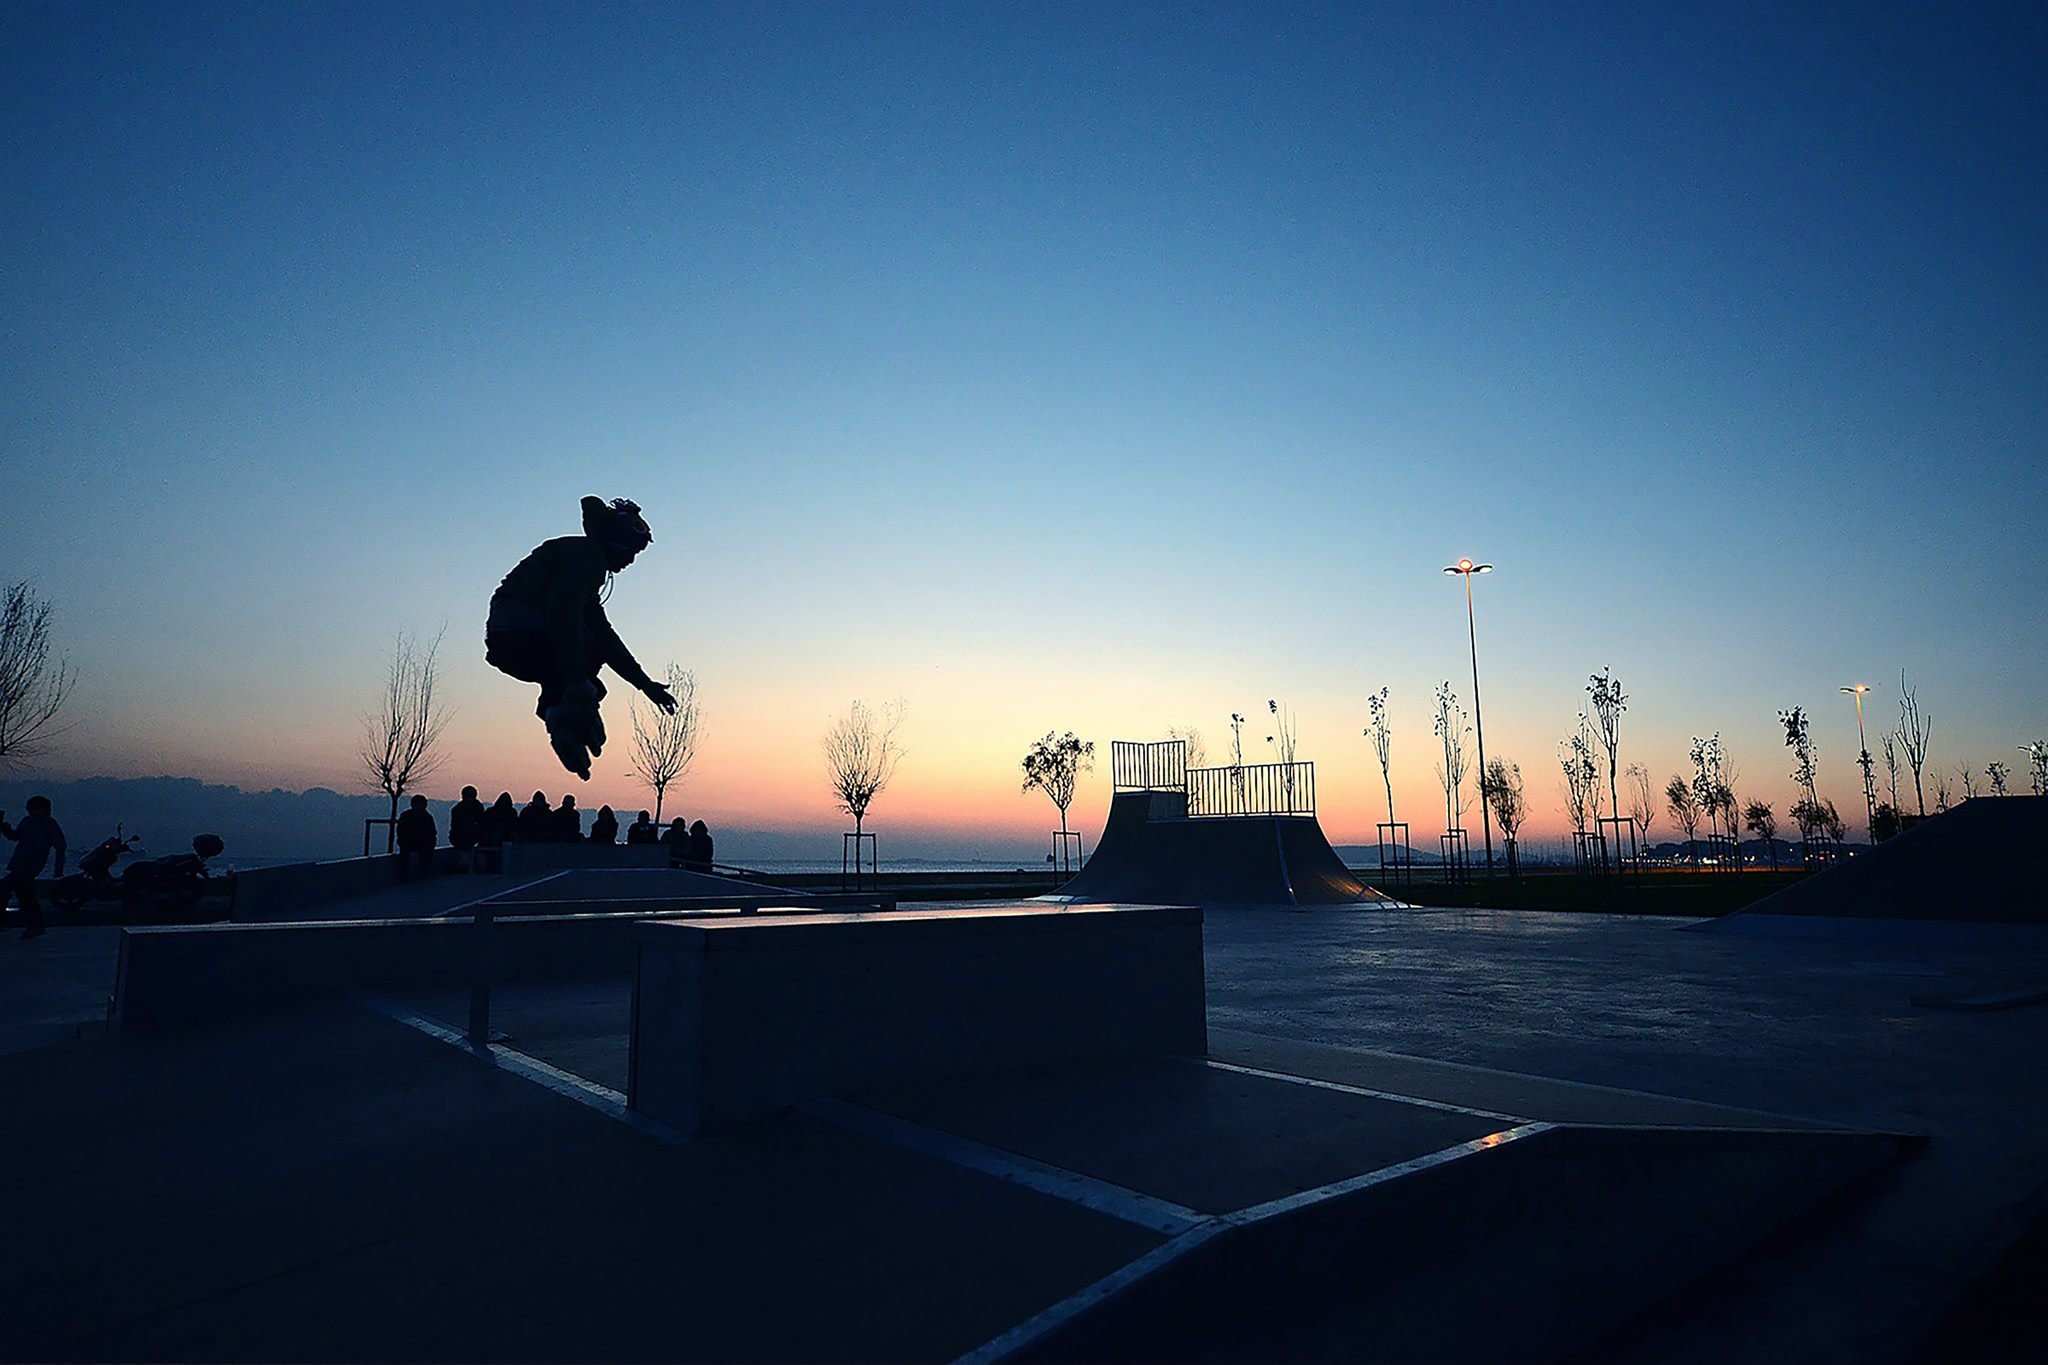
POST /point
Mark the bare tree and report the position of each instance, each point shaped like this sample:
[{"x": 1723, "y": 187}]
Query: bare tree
[
  {"x": 1501, "y": 788},
  {"x": 1053, "y": 765},
  {"x": 1608, "y": 704},
  {"x": 1194, "y": 753},
  {"x": 1581, "y": 776},
  {"x": 1283, "y": 741},
  {"x": 1817, "y": 815},
  {"x": 1914, "y": 728},
  {"x": 1642, "y": 799},
  {"x": 33, "y": 684},
  {"x": 1450, "y": 727},
  {"x": 1891, "y": 768},
  {"x": 665, "y": 739},
  {"x": 1944, "y": 792},
  {"x": 401, "y": 738},
  {"x": 1968, "y": 777},
  {"x": 2000, "y": 777},
  {"x": 1237, "y": 779},
  {"x": 2037, "y": 766},
  {"x": 1684, "y": 804},
  {"x": 1726, "y": 776},
  {"x": 1763, "y": 823},
  {"x": 861, "y": 755},
  {"x": 1382, "y": 744}
]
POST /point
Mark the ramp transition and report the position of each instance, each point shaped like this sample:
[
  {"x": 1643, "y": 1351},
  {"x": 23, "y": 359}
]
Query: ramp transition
[{"x": 1977, "y": 863}]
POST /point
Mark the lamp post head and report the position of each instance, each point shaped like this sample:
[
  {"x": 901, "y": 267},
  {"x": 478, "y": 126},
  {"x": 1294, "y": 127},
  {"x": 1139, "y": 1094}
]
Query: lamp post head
[
  {"x": 1466, "y": 566},
  {"x": 1858, "y": 690}
]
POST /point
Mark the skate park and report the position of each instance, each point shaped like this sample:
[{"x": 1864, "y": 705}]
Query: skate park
[
  {"x": 1341, "y": 1130},
  {"x": 957, "y": 516}
]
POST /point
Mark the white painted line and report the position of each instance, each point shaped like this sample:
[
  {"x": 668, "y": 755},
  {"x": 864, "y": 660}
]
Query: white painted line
[
  {"x": 506, "y": 891},
  {"x": 1319, "y": 1084},
  {"x": 1045, "y": 1323},
  {"x": 1127, "y": 1205},
  {"x": 587, "y": 1093},
  {"x": 1034, "y": 1329},
  {"x": 1275, "y": 1208},
  {"x": 1735, "y": 1113}
]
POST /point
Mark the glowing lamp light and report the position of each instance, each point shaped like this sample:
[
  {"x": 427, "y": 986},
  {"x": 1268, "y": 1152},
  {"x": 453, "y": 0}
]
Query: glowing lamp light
[{"x": 1466, "y": 566}]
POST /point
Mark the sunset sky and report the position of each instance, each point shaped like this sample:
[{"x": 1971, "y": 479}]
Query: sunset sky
[{"x": 1088, "y": 367}]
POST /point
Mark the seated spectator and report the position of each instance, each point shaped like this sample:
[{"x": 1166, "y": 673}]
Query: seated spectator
[
  {"x": 416, "y": 836},
  {"x": 700, "y": 848},
  {"x": 568, "y": 822},
  {"x": 643, "y": 830},
  {"x": 536, "y": 821},
  {"x": 501, "y": 822},
  {"x": 676, "y": 839},
  {"x": 605, "y": 828},
  {"x": 466, "y": 821}
]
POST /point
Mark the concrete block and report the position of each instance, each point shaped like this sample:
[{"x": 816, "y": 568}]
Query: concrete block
[
  {"x": 173, "y": 976},
  {"x": 735, "y": 1020}
]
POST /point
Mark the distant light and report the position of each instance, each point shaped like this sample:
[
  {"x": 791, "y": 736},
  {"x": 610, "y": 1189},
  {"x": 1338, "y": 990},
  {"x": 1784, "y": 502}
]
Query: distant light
[
  {"x": 1859, "y": 687},
  {"x": 1466, "y": 566}
]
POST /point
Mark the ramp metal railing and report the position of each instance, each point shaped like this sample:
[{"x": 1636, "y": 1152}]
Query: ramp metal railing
[
  {"x": 1160, "y": 766},
  {"x": 1252, "y": 789}
]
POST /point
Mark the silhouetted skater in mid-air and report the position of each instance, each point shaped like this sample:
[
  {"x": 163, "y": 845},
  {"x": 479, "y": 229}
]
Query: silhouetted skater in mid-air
[{"x": 547, "y": 625}]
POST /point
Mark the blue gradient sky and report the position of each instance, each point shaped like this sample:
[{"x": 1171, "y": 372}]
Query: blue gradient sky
[{"x": 1047, "y": 366}]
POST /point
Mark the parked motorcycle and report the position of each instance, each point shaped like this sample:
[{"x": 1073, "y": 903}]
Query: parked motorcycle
[
  {"x": 153, "y": 888},
  {"x": 95, "y": 878}
]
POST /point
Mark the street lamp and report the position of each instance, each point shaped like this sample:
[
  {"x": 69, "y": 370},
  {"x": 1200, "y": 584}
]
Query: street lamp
[
  {"x": 1863, "y": 748},
  {"x": 1465, "y": 569}
]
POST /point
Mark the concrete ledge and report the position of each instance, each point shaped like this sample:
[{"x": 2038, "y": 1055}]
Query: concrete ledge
[
  {"x": 735, "y": 1020},
  {"x": 261, "y": 892},
  {"x": 1528, "y": 1245},
  {"x": 173, "y": 976}
]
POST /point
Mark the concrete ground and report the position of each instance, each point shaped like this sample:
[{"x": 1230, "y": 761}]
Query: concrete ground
[
  {"x": 1823, "y": 1028},
  {"x": 1467, "y": 1006}
]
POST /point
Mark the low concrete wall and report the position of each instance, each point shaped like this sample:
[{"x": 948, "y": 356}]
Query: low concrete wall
[
  {"x": 263, "y": 893},
  {"x": 172, "y": 976},
  {"x": 737, "y": 1019}
]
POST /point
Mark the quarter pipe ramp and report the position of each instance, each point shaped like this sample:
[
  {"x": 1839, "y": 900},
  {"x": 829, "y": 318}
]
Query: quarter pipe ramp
[{"x": 1152, "y": 851}]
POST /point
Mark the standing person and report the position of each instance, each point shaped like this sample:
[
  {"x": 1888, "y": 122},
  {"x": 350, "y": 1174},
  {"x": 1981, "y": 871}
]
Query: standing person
[
  {"x": 643, "y": 830},
  {"x": 35, "y": 838},
  {"x": 536, "y": 820},
  {"x": 568, "y": 822},
  {"x": 416, "y": 837},
  {"x": 547, "y": 625},
  {"x": 676, "y": 839},
  {"x": 700, "y": 848},
  {"x": 466, "y": 826},
  {"x": 605, "y": 828}
]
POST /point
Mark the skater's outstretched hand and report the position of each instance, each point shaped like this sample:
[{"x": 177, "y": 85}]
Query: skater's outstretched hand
[{"x": 660, "y": 695}]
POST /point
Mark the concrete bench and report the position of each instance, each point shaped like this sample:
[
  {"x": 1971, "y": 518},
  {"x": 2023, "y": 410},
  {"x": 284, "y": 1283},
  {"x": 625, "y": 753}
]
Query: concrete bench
[{"x": 735, "y": 1020}]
